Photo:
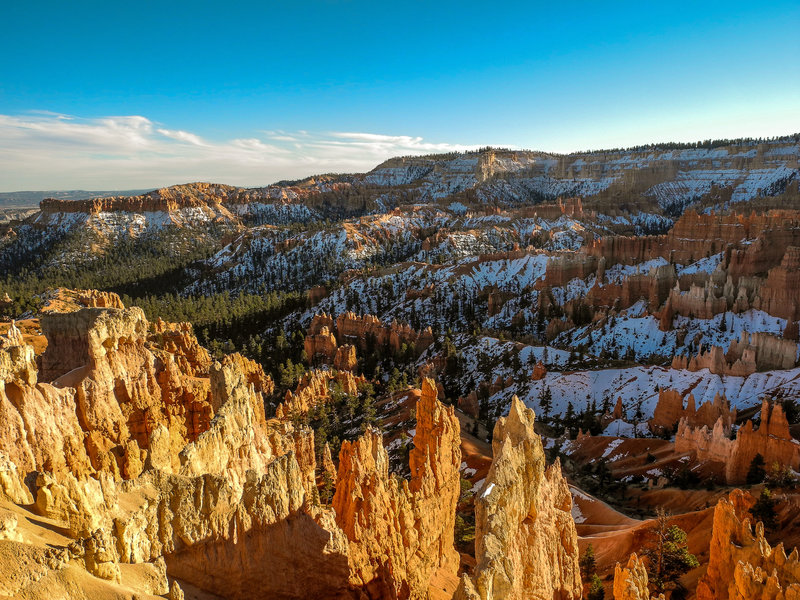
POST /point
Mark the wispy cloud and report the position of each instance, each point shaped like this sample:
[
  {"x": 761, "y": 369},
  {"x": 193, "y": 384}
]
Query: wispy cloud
[{"x": 44, "y": 150}]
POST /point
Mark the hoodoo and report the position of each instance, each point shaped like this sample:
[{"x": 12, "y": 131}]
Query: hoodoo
[{"x": 526, "y": 545}]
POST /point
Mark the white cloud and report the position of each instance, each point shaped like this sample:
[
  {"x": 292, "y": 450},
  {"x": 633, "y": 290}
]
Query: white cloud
[{"x": 45, "y": 150}]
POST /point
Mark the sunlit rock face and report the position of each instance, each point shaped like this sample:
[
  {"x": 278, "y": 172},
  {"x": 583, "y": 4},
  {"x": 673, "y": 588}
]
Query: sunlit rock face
[
  {"x": 630, "y": 582},
  {"x": 742, "y": 564},
  {"x": 154, "y": 457},
  {"x": 526, "y": 542},
  {"x": 401, "y": 532}
]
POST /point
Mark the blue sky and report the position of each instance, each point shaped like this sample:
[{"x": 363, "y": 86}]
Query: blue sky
[{"x": 102, "y": 94}]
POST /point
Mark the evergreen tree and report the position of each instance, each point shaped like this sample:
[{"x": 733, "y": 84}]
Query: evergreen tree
[
  {"x": 668, "y": 555},
  {"x": 328, "y": 488},
  {"x": 546, "y": 402},
  {"x": 588, "y": 563},
  {"x": 596, "y": 591},
  {"x": 756, "y": 472},
  {"x": 569, "y": 416},
  {"x": 764, "y": 510},
  {"x": 516, "y": 363},
  {"x": 792, "y": 410}
]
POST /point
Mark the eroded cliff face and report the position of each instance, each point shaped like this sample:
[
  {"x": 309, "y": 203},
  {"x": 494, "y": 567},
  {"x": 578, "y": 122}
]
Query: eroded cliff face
[
  {"x": 670, "y": 411},
  {"x": 742, "y": 565},
  {"x": 526, "y": 545},
  {"x": 697, "y": 235},
  {"x": 128, "y": 378},
  {"x": 365, "y": 332},
  {"x": 753, "y": 262},
  {"x": 758, "y": 351},
  {"x": 772, "y": 440},
  {"x": 148, "y": 456},
  {"x": 152, "y": 459},
  {"x": 401, "y": 532}
]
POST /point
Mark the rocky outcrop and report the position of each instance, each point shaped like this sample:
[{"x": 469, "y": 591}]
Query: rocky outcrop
[
  {"x": 345, "y": 359},
  {"x": 315, "y": 387},
  {"x": 699, "y": 301},
  {"x": 227, "y": 502},
  {"x": 66, "y": 300},
  {"x": 758, "y": 351},
  {"x": 128, "y": 379},
  {"x": 741, "y": 564},
  {"x": 714, "y": 445},
  {"x": 570, "y": 207},
  {"x": 778, "y": 295},
  {"x": 193, "y": 195},
  {"x": 771, "y": 352},
  {"x": 401, "y": 532},
  {"x": 39, "y": 428},
  {"x": 630, "y": 582},
  {"x": 367, "y": 333},
  {"x": 695, "y": 236},
  {"x": 526, "y": 545},
  {"x": 539, "y": 371},
  {"x": 320, "y": 346},
  {"x": 619, "y": 409},
  {"x": 178, "y": 340},
  {"x": 771, "y": 440},
  {"x": 757, "y": 256},
  {"x": 670, "y": 411},
  {"x": 563, "y": 269}
]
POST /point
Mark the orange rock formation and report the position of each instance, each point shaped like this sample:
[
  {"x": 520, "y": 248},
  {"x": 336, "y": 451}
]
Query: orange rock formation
[
  {"x": 345, "y": 359},
  {"x": 320, "y": 346},
  {"x": 139, "y": 476},
  {"x": 772, "y": 440},
  {"x": 759, "y": 267},
  {"x": 695, "y": 236},
  {"x": 526, "y": 545},
  {"x": 221, "y": 498},
  {"x": 313, "y": 388},
  {"x": 742, "y": 565},
  {"x": 630, "y": 582},
  {"x": 367, "y": 330},
  {"x": 401, "y": 533},
  {"x": 670, "y": 410}
]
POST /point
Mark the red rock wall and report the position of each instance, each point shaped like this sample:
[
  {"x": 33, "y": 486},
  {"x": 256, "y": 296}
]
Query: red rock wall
[
  {"x": 670, "y": 411},
  {"x": 771, "y": 440},
  {"x": 401, "y": 533}
]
